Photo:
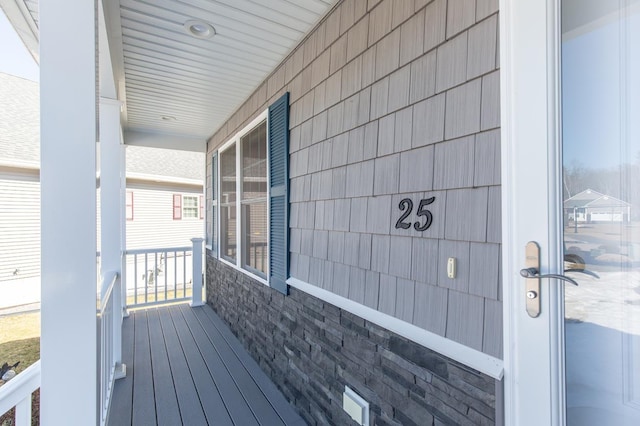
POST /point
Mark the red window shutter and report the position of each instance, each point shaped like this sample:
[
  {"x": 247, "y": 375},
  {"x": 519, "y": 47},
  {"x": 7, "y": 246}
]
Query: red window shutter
[
  {"x": 201, "y": 207},
  {"x": 177, "y": 206},
  {"x": 129, "y": 206}
]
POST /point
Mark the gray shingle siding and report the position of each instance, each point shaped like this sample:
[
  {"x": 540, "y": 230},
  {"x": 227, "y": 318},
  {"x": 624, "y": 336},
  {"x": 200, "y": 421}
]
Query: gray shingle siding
[{"x": 398, "y": 101}]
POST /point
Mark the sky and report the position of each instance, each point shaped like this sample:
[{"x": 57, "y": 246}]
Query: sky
[{"x": 15, "y": 59}]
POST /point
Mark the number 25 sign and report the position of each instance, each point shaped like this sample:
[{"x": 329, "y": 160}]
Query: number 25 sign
[{"x": 406, "y": 206}]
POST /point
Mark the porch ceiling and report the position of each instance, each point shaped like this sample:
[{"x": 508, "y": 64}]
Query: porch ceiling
[{"x": 180, "y": 87}]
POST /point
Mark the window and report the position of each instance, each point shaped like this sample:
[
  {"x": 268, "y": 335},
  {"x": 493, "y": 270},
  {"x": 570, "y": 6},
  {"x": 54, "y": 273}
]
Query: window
[
  {"x": 228, "y": 209},
  {"x": 213, "y": 221},
  {"x": 253, "y": 149},
  {"x": 187, "y": 207},
  {"x": 129, "y": 205},
  {"x": 250, "y": 187},
  {"x": 190, "y": 207},
  {"x": 249, "y": 197}
]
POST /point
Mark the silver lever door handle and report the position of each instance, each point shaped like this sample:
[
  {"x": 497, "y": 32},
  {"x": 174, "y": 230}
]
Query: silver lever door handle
[
  {"x": 534, "y": 273},
  {"x": 583, "y": 271}
]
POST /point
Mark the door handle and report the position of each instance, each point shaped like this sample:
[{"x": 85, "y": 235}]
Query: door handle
[
  {"x": 534, "y": 273},
  {"x": 583, "y": 271},
  {"x": 533, "y": 276}
]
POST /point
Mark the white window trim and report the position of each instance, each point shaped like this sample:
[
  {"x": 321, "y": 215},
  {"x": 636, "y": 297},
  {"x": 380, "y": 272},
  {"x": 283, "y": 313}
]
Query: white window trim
[{"x": 262, "y": 117}]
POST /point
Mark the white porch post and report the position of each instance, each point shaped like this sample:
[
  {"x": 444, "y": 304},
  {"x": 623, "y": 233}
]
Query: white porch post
[
  {"x": 196, "y": 290},
  {"x": 123, "y": 230},
  {"x": 111, "y": 200},
  {"x": 68, "y": 211}
]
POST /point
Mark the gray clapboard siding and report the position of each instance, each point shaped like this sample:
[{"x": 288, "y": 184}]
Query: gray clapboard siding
[
  {"x": 387, "y": 54},
  {"x": 453, "y": 163},
  {"x": 20, "y": 224},
  {"x": 490, "y": 113},
  {"x": 465, "y": 319}
]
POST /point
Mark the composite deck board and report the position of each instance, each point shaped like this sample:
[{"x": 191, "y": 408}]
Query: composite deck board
[
  {"x": 144, "y": 409},
  {"x": 189, "y": 369},
  {"x": 268, "y": 388},
  {"x": 251, "y": 391},
  {"x": 167, "y": 412},
  {"x": 188, "y": 400},
  {"x": 233, "y": 399},
  {"x": 210, "y": 398}
]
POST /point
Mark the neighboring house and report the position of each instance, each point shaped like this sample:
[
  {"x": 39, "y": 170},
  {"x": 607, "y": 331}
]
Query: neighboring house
[
  {"x": 592, "y": 206},
  {"x": 164, "y": 200},
  {"x": 164, "y": 195},
  {"x": 19, "y": 178}
]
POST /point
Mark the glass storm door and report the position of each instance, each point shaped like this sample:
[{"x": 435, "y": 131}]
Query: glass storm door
[
  {"x": 570, "y": 105},
  {"x": 600, "y": 116}
]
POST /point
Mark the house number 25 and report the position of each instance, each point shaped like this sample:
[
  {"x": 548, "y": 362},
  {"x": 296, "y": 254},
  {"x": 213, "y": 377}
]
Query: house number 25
[{"x": 406, "y": 205}]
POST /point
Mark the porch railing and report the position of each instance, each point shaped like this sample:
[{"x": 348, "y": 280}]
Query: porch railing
[
  {"x": 17, "y": 393},
  {"x": 164, "y": 275},
  {"x": 110, "y": 316}
]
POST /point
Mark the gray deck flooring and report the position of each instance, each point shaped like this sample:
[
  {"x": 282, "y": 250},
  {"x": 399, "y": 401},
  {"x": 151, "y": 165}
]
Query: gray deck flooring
[{"x": 184, "y": 366}]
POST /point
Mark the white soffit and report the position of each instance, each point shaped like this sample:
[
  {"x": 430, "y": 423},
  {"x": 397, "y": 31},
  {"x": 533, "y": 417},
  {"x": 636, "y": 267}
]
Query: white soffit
[
  {"x": 172, "y": 82},
  {"x": 185, "y": 85}
]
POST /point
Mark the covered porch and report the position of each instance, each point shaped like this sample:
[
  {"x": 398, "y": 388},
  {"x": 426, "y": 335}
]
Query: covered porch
[{"x": 114, "y": 74}]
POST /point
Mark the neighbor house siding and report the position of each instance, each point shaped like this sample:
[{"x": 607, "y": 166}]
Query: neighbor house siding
[
  {"x": 153, "y": 225},
  {"x": 20, "y": 224},
  {"x": 390, "y": 100}
]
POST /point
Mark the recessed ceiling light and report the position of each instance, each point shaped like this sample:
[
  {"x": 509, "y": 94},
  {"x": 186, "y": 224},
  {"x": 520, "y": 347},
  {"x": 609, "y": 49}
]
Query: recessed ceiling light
[
  {"x": 168, "y": 118},
  {"x": 199, "y": 29}
]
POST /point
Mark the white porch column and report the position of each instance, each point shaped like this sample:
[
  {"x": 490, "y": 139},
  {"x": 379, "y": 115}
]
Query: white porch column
[
  {"x": 123, "y": 228},
  {"x": 111, "y": 201},
  {"x": 111, "y": 175},
  {"x": 68, "y": 211}
]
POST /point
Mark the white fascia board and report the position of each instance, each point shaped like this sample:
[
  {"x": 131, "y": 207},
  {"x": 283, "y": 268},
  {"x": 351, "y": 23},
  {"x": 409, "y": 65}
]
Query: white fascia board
[
  {"x": 475, "y": 359},
  {"x": 165, "y": 140},
  {"x": 23, "y": 24},
  {"x": 164, "y": 179},
  {"x": 19, "y": 164}
]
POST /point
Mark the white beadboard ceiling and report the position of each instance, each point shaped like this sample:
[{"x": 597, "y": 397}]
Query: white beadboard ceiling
[{"x": 162, "y": 71}]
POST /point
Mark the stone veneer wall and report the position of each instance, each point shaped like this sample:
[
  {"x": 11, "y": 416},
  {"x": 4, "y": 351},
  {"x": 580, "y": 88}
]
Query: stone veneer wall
[{"x": 312, "y": 349}]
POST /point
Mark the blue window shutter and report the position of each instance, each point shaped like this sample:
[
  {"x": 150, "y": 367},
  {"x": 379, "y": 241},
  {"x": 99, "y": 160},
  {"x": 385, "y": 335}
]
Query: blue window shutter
[{"x": 279, "y": 193}]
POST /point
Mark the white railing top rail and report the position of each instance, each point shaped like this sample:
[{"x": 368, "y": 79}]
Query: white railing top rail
[
  {"x": 109, "y": 280},
  {"x": 20, "y": 387},
  {"x": 158, "y": 250}
]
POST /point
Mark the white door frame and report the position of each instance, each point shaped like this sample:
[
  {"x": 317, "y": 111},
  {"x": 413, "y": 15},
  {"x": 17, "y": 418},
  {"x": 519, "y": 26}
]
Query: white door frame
[{"x": 531, "y": 200}]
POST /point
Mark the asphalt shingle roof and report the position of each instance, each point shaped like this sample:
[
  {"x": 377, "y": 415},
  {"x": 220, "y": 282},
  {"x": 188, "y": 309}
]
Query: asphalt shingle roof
[
  {"x": 19, "y": 120},
  {"x": 165, "y": 162}
]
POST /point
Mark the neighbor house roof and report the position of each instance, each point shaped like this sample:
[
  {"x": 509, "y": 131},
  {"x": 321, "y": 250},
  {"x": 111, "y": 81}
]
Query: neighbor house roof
[
  {"x": 591, "y": 198},
  {"x": 19, "y": 122},
  {"x": 149, "y": 162},
  {"x": 20, "y": 139}
]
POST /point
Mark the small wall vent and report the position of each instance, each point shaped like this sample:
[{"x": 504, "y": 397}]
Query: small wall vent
[{"x": 355, "y": 406}]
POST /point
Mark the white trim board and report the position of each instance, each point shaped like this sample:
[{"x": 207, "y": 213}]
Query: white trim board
[{"x": 477, "y": 360}]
